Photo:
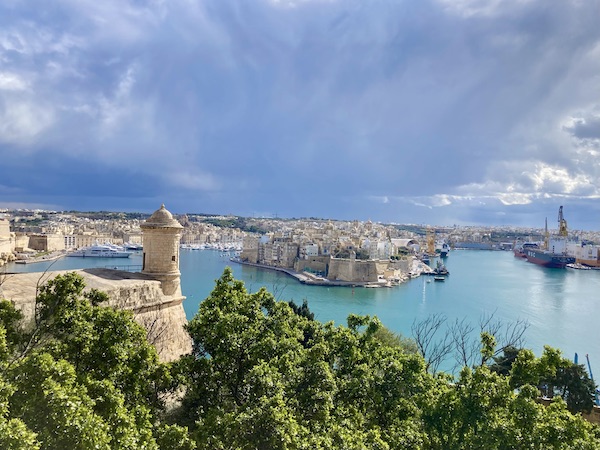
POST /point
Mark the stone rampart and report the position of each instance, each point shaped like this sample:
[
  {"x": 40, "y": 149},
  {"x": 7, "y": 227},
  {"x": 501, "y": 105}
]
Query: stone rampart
[
  {"x": 313, "y": 264},
  {"x": 342, "y": 269},
  {"x": 162, "y": 315},
  {"x": 47, "y": 242}
]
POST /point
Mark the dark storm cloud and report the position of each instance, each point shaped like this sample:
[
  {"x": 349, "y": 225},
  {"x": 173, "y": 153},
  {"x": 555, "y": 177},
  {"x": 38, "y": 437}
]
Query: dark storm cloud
[
  {"x": 460, "y": 111},
  {"x": 588, "y": 128}
]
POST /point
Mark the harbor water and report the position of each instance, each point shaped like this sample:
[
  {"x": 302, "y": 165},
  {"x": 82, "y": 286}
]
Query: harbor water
[{"x": 560, "y": 305}]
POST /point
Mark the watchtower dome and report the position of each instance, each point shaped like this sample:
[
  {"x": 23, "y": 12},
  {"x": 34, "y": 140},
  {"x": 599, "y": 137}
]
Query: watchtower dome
[{"x": 161, "y": 234}]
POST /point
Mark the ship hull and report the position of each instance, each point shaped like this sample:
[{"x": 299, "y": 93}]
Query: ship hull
[
  {"x": 548, "y": 259},
  {"x": 519, "y": 254}
]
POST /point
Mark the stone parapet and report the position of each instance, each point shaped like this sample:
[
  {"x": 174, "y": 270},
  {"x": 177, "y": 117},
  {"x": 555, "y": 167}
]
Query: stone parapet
[{"x": 162, "y": 315}]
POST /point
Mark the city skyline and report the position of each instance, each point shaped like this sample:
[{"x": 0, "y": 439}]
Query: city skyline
[{"x": 441, "y": 112}]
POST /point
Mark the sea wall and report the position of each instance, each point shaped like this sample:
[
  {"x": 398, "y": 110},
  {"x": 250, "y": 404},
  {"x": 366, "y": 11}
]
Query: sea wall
[
  {"x": 162, "y": 316},
  {"x": 342, "y": 269},
  {"x": 313, "y": 264}
]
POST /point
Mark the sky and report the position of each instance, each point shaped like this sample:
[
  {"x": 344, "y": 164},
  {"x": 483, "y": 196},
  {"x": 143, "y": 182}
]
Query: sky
[{"x": 442, "y": 112}]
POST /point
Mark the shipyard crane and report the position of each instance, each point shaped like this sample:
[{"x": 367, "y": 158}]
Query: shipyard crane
[
  {"x": 430, "y": 241},
  {"x": 562, "y": 223}
]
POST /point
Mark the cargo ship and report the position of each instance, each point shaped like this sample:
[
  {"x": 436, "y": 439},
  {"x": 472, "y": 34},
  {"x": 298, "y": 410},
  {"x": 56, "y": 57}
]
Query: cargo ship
[
  {"x": 548, "y": 259},
  {"x": 554, "y": 254}
]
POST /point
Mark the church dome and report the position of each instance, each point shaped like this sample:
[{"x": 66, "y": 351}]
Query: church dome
[{"x": 162, "y": 218}]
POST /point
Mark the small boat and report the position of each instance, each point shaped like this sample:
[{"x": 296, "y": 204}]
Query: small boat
[
  {"x": 440, "y": 269},
  {"x": 439, "y": 278}
]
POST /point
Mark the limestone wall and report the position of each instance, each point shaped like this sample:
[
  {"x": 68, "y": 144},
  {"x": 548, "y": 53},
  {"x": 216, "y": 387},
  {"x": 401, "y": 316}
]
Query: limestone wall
[
  {"x": 313, "y": 264},
  {"x": 4, "y": 228},
  {"x": 341, "y": 269},
  {"x": 21, "y": 241},
  {"x": 249, "y": 255},
  {"x": 163, "y": 316},
  {"x": 6, "y": 246},
  {"x": 47, "y": 242}
]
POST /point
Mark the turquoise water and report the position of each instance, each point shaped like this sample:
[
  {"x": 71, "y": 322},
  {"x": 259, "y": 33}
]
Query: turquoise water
[{"x": 560, "y": 305}]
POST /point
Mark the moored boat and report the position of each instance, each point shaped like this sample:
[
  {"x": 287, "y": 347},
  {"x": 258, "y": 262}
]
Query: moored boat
[
  {"x": 100, "y": 251},
  {"x": 440, "y": 269}
]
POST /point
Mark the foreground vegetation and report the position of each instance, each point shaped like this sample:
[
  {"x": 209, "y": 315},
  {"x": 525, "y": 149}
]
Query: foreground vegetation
[{"x": 265, "y": 375}]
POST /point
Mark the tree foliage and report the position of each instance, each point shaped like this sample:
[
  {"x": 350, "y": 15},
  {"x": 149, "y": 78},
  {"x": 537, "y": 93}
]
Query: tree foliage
[
  {"x": 255, "y": 381},
  {"x": 83, "y": 377},
  {"x": 264, "y": 374},
  {"x": 555, "y": 375}
]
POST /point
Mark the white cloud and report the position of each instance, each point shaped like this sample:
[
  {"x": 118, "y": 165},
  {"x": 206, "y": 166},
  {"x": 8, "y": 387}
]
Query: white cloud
[
  {"x": 12, "y": 82},
  {"x": 482, "y": 8},
  {"x": 196, "y": 181},
  {"x": 558, "y": 180},
  {"x": 22, "y": 121}
]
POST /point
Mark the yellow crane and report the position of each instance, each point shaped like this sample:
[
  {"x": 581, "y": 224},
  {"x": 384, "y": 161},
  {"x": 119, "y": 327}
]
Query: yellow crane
[
  {"x": 430, "y": 241},
  {"x": 562, "y": 223}
]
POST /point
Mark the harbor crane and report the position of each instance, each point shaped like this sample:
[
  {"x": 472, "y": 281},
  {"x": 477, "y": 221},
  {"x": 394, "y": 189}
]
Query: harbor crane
[{"x": 562, "y": 223}]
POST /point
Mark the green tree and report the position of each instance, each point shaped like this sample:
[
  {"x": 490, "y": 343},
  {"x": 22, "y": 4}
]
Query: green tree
[
  {"x": 255, "y": 382},
  {"x": 83, "y": 377},
  {"x": 502, "y": 364},
  {"x": 555, "y": 375},
  {"x": 14, "y": 434}
]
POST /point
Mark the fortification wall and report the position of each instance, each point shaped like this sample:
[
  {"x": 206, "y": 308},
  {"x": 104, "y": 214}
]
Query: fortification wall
[
  {"x": 313, "y": 263},
  {"x": 47, "y": 242},
  {"x": 352, "y": 270},
  {"x": 4, "y": 228},
  {"x": 162, "y": 316},
  {"x": 6, "y": 246}
]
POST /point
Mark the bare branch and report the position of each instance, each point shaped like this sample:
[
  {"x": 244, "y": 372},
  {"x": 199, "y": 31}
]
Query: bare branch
[
  {"x": 433, "y": 349},
  {"x": 466, "y": 348}
]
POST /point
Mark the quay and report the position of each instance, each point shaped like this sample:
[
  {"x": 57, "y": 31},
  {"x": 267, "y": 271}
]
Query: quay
[
  {"x": 314, "y": 280},
  {"x": 304, "y": 277},
  {"x": 44, "y": 258}
]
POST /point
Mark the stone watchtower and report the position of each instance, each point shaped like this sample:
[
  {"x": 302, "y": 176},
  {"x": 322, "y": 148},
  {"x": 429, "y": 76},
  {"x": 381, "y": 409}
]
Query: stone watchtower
[{"x": 161, "y": 234}]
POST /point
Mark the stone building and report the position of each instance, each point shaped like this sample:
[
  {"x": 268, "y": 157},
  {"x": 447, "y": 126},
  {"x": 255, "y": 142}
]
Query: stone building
[
  {"x": 153, "y": 295},
  {"x": 46, "y": 242}
]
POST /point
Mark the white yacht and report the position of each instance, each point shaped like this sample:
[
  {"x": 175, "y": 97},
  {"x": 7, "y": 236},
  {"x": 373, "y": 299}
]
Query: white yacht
[{"x": 101, "y": 251}]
